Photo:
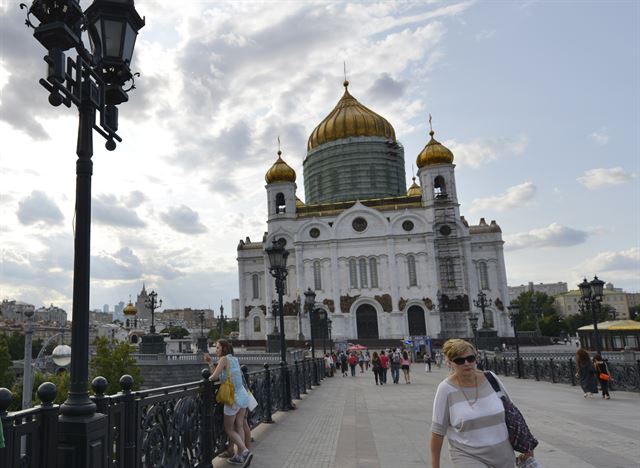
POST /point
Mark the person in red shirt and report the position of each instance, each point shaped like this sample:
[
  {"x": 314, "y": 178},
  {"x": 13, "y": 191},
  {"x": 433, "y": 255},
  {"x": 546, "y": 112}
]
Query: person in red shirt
[
  {"x": 384, "y": 362},
  {"x": 353, "y": 362}
]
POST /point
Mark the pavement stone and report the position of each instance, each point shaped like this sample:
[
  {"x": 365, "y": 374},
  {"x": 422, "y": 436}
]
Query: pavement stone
[{"x": 349, "y": 422}]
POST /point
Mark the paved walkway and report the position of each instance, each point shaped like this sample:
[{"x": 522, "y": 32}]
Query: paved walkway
[{"x": 350, "y": 422}]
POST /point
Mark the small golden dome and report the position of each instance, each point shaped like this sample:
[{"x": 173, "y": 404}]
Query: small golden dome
[
  {"x": 280, "y": 172},
  {"x": 299, "y": 203},
  {"x": 350, "y": 119},
  {"x": 434, "y": 153},
  {"x": 130, "y": 309},
  {"x": 415, "y": 190}
]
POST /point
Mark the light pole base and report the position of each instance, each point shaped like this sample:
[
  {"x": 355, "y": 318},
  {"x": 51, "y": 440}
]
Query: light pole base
[
  {"x": 153, "y": 344},
  {"x": 487, "y": 339},
  {"x": 83, "y": 441}
]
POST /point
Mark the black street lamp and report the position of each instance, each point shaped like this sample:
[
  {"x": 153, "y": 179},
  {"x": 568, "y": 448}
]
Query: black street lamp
[
  {"x": 473, "y": 321},
  {"x": 322, "y": 320},
  {"x": 309, "y": 302},
  {"x": 514, "y": 311},
  {"x": 592, "y": 294},
  {"x": 221, "y": 320},
  {"x": 202, "y": 340},
  {"x": 299, "y": 310},
  {"x": 278, "y": 268},
  {"x": 153, "y": 343},
  {"x": 153, "y": 303},
  {"x": 483, "y": 302},
  {"x": 329, "y": 330},
  {"x": 94, "y": 82}
]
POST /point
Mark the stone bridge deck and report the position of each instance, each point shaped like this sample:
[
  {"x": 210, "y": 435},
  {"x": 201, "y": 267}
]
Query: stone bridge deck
[{"x": 350, "y": 422}]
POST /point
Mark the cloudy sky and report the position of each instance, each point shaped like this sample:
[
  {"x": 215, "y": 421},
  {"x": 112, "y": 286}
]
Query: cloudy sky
[{"x": 538, "y": 100}]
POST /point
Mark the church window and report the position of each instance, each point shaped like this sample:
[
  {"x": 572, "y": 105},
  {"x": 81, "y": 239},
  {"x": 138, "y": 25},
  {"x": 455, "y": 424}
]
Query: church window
[
  {"x": 407, "y": 225},
  {"x": 373, "y": 266},
  {"x": 256, "y": 324},
  {"x": 447, "y": 272},
  {"x": 353, "y": 274},
  {"x": 439, "y": 188},
  {"x": 314, "y": 232},
  {"x": 483, "y": 275},
  {"x": 445, "y": 230},
  {"x": 317, "y": 276},
  {"x": 255, "y": 284},
  {"x": 281, "y": 205},
  {"x": 363, "y": 273},
  {"x": 359, "y": 224},
  {"x": 411, "y": 267}
]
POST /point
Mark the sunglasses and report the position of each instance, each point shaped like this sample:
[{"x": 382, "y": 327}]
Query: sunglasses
[{"x": 460, "y": 360}]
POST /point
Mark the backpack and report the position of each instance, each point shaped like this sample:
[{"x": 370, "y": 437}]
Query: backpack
[
  {"x": 396, "y": 358},
  {"x": 343, "y": 358}
]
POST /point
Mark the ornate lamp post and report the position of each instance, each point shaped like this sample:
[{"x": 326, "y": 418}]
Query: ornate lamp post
[
  {"x": 278, "y": 268},
  {"x": 221, "y": 321},
  {"x": 27, "y": 371},
  {"x": 94, "y": 82},
  {"x": 592, "y": 293},
  {"x": 299, "y": 309},
  {"x": 329, "y": 330},
  {"x": 322, "y": 319},
  {"x": 309, "y": 302},
  {"x": 153, "y": 303},
  {"x": 473, "y": 321},
  {"x": 514, "y": 311},
  {"x": 482, "y": 303},
  {"x": 202, "y": 340},
  {"x": 153, "y": 343}
]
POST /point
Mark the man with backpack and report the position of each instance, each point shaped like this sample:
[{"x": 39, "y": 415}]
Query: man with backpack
[
  {"x": 343, "y": 363},
  {"x": 394, "y": 358}
]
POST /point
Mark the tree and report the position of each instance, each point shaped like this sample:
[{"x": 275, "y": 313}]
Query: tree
[
  {"x": 544, "y": 304},
  {"x": 61, "y": 380},
  {"x": 229, "y": 326},
  {"x": 113, "y": 360},
  {"x": 7, "y": 375},
  {"x": 175, "y": 332}
]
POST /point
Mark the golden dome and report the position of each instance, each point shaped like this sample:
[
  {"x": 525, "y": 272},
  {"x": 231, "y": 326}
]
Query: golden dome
[
  {"x": 434, "y": 153},
  {"x": 415, "y": 190},
  {"x": 280, "y": 172},
  {"x": 350, "y": 119},
  {"x": 129, "y": 309},
  {"x": 299, "y": 203}
]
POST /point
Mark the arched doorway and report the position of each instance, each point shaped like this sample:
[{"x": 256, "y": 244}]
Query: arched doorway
[
  {"x": 417, "y": 325},
  {"x": 367, "y": 321}
]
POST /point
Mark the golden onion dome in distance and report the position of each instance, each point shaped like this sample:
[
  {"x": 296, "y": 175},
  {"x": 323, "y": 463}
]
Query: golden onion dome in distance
[
  {"x": 434, "y": 152},
  {"x": 299, "y": 203},
  {"x": 415, "y": 190},
  {"x": 350, "y": 119},
  {"x": 129, "y": 309},
  {"x": 280, "y": 172}
]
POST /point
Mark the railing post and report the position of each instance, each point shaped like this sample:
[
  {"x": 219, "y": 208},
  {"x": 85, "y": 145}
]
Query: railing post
[
  {"x": 206, "y": 413},
  {"x": 297, "y": 379},
  {"x": 535, "y": 368},
  {"x": 552, "y": 370},
  {"x": 495, "y": 364},
  {"x": 99, "y": 386},
  {"x": 304, "y": 376},
  {"x": 504, "y": 363},
  {"x": 130, "y": 420},
  {"x": 49, "y": 434},
  {"x": 267, "y": 395},
  {"x": 638, "y": 373},
  {"x": 572, "y": 371},
  {"x": 314, "y": 371},
  {"x": 6, "y": 454}
]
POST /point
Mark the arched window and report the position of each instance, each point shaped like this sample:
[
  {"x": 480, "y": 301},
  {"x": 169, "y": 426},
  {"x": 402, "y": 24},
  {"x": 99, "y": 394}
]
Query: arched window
[
  {"x": 448, "y": 273},
  {"x": 483, "y": 275},
  {"x": 373, "y": 267},
  {"x": 255, "y": 286},
  {"x": 363, "y": 273},
  {"x": 439, "y": 187},
  {"x": 411, "y": 268},
  {"x": 353, "y": 274},
  {"x": 281, "y": 204},
  {"x": 317, "y": 276},
  {"x": 256, "y": 324}
]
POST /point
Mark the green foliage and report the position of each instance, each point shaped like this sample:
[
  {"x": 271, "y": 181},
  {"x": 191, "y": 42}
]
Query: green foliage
[
  {"x": 61, "y": 380},
  {"x": 538, "y": 305},
  {"x": 229, "y": 326},
  {"x": 15, "y": 344},
  {"x": 176, "y": 332},
  {"x": 113, "y": 360},
  {"x": 7, "y": 376}
]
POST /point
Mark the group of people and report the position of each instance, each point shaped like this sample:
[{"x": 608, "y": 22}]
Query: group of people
[
  {"x": 590, "y": 372},
  {"x": 379, "y": 363}
]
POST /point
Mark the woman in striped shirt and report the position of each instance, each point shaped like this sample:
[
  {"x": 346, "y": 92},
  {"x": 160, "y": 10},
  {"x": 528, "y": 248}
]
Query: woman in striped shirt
[{"x": 470, "y": 413}]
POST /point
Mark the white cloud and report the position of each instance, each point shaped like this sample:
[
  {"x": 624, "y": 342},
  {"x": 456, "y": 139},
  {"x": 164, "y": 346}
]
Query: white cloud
[
  {"x": 554, "y": 235},
  {"x": 482, "y": 152},
  {"x": 38, "y": 207},
  {"x": 485, "y": 34},
  {"x": 600, "y": 137},
  {"x": 515, "y": 197},
  {"x": 183, "y": 219},
  {"x": 616, "y": 261},
  {"x": 602, "y": 177}
]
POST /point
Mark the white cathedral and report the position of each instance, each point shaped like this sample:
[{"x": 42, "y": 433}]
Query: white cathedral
[{"x": 384, "y": 262}]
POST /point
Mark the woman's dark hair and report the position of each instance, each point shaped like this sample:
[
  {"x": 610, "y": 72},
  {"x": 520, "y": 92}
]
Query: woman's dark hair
[
  {"x": 598, "y": 357},
  {"x": 582, "y": 357},
  {"x": 381, "y": 352},
  {"x": 374, "y": 357},
  {"x": 405, "y": 355},
  {"x": 226, "y": 347}
]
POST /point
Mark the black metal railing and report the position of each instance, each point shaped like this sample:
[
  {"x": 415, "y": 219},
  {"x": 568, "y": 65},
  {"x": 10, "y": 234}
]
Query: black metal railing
[
  {"x": 179, "y": 425},
  {"x": 625, "y": 375}
]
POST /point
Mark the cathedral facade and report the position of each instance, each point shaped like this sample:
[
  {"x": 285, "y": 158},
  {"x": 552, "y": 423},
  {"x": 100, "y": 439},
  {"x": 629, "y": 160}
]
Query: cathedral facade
[{"x": 383, "y": 261}]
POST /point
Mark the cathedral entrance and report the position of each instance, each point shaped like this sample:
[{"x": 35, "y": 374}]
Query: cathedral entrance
[
  {"x": 417, "y": 325},
  {"x": 367, "y": 321}
]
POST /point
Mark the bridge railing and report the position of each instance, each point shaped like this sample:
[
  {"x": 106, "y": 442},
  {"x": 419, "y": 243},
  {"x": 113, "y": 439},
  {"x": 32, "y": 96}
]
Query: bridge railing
[
  {"x": 179, "y": 425},
  {"x": 625, "y": 375}
]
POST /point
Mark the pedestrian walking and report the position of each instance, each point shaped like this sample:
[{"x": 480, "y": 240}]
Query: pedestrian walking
[
  {"x": 405, "y": 364},
  {"x": 343, "y": 363},
  {"x": 376, "y": 367},
  {"x": 604, "y": 376},
  {"x": 353, "y": 362},
  {"x": 469, "y": 412},
  {"x": 394, "y": 363},
  {"x": 427, "y": 362},
  {"x": 586, "y": 373},
  {"x": 361, "y": 361},
  {"x": 367, "y": 359},
  {"x": 384, "y": 362},
  {"x": 328, "y": 365}
]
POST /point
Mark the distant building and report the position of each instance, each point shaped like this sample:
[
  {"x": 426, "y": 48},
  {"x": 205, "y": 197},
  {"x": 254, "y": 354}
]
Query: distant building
[
  {"x": 14, "y": 310},
  {"x": 144, "y": 311},
  {"x": 569, "y": 303},
  {"x": 187, "y": 318},
  {"x": 118, "y": 311},
  {"x": 105, "y": 308},
  {"x": 51, "y": 314},
  {"x": 551, "y": 289},
  {"x": 95, "y": 317}
]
